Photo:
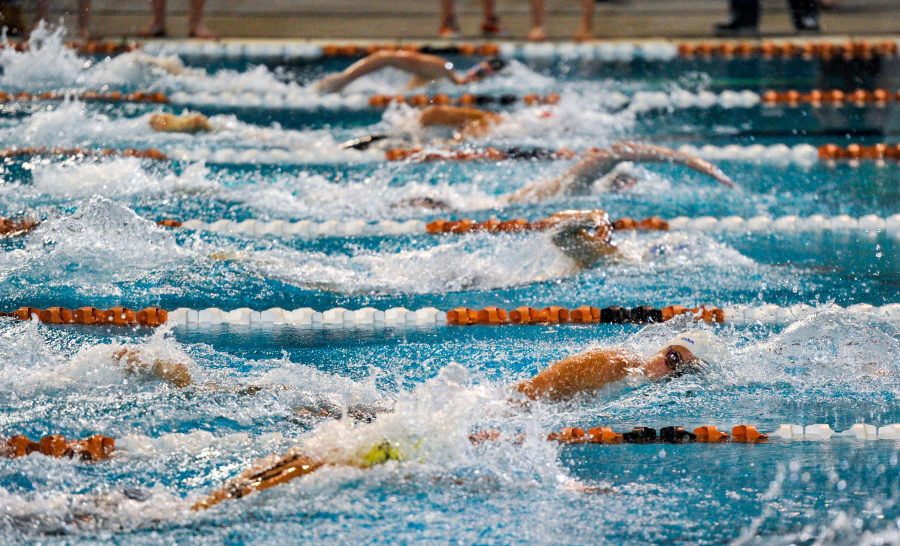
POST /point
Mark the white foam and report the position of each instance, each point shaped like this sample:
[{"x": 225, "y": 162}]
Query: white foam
[
  {"x": 48, "y": 63},
  {"x": 100, "y": 243},
  {"x": 114, "y": 177},
  {"x": 491, "y": 261}
]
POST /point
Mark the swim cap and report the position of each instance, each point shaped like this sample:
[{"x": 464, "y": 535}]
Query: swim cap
[
  {"x": 496, "y": 63},
  {"x": 701, "y": 344}
]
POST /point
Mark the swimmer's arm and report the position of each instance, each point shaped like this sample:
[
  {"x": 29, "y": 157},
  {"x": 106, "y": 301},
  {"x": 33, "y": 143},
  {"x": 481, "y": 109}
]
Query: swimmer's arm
[
  {"x": 168, "y": 123},
  {"x": 592, "y": 166},
  {"x": 468, "y": 121},
  {"x": 16, "y": 227},
  {"x": 263, "y": 474},
  {"x": 647, "y": 153},
  {"x": 424, "y": 68},
  {"x": 585, "y": 372}
]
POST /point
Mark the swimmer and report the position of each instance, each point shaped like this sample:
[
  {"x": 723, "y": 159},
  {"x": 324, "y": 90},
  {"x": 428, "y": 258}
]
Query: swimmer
[
  {"x": 185, "y": 123},
  {"x": 135, "y": 362},
  {"x": 585, "y": 373},
  {"x": 464, "y": 121},
  {"x": 15, "y": 227},
  {"x": 424, "y": 68},
  {"x": 582, "y": 235},
  {"x": 595, "y": 164}
]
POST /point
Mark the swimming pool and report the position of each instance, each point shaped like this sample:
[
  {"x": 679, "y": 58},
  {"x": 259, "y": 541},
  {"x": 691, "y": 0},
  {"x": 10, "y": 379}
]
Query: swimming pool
[{"x": 263, "y": 388}]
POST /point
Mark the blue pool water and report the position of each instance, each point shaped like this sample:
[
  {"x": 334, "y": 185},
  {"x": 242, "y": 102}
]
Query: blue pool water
[{"x": 263, "y": 389}]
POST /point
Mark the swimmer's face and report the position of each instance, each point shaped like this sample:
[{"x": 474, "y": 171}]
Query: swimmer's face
[
  {"x": 673, "y": 360},
  {"x": 484, "y": 70}
]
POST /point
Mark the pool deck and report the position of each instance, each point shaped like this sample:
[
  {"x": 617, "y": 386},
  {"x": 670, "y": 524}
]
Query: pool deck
[{"x": 418, "y": 19}]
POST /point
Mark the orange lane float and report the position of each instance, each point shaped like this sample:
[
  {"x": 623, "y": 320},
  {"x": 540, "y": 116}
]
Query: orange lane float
[
  {"x": 117, "y": 316},
  {"x": 710, "y": 433},
  {"x": 151, "y": 153},
  {"x": 832, "y": 152},
  {"x": 95, "y": 448},
  {"x": 835, "y": 97},
  {"x": 747, "y": 433}
]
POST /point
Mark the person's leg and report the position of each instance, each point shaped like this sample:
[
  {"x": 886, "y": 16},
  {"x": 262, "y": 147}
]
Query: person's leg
[
  {"x": 196, "y": 28},
  {"x": 43, "y": 8},
  {"x": 84, "y": 21},
  {"x": 537, "y": 33},
  {"x": 806, "y": 14},
  {"x": 157, "y": 26},
  {"x": 744, "y": 17},
  {"x": 586, "y": 24},
  {"x": 491, "y": 24},
  {"x": 449, "y": 26}
]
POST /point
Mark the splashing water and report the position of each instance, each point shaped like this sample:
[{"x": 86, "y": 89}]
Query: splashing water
[
  {"x": 117, "y": 177},
  {"x": 491, "y": 261},
  {"x": 101, "y": 242},
  {"x": 47, "y": 63}
]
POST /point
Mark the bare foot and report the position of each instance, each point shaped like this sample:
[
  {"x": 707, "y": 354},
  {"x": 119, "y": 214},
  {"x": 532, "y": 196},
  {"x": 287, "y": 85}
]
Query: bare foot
[
  {"x": 154, "y": 30},
  {"x": 203, "y": 33},
  {"x": 583, "y": 34},
  {"x": 88, "y": 35},
  {"x": 537, "y": 34}
]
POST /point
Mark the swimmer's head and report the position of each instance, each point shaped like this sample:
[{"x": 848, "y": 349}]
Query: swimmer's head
[
  {"x": 585, "y": 236},
  {"x": 690, "y": 352},
  {"x": 486, "y": 68}
]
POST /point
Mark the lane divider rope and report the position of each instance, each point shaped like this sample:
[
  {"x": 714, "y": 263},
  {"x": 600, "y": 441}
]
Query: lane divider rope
[
  {"x": 711, "y": 434},
  {"x": 87, "y": 96},
  {"x": 651, "y": 51},
  {"x": 101, "y": 448},
  {"x": 117, "y": 316},
  {"x": 639, "y": 102},
  {"x": 151, "y": 153},
  {"x": 765, "y": 314},
  {"x": 643, "y": 101},
  {"x": 803, "y": 155},
  {"x": 89, "y": 47},
  {"x": 95, "y": 448},
  {"x": 870, "y": 223}
]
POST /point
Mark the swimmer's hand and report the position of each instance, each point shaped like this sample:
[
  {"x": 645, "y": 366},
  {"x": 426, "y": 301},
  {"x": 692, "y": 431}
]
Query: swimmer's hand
[
  {"x": 648, "y": 153},
  {"x": 17, "y": 226},
  {"x": 331, "y": 84}
]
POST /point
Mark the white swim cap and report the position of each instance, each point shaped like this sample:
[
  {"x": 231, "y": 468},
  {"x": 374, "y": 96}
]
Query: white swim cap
[{"x": 701, "y": 344}]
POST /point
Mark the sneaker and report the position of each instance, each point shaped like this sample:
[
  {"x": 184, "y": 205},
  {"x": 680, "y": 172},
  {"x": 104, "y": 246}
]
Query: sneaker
[{"x": 735, "y": 28}]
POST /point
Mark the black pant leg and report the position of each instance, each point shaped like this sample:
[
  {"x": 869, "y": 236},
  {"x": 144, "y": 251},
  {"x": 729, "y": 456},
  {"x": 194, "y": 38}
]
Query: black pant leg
[
  {"x": 804, "y": 8},
  {"x": 746, "y": 12}
]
